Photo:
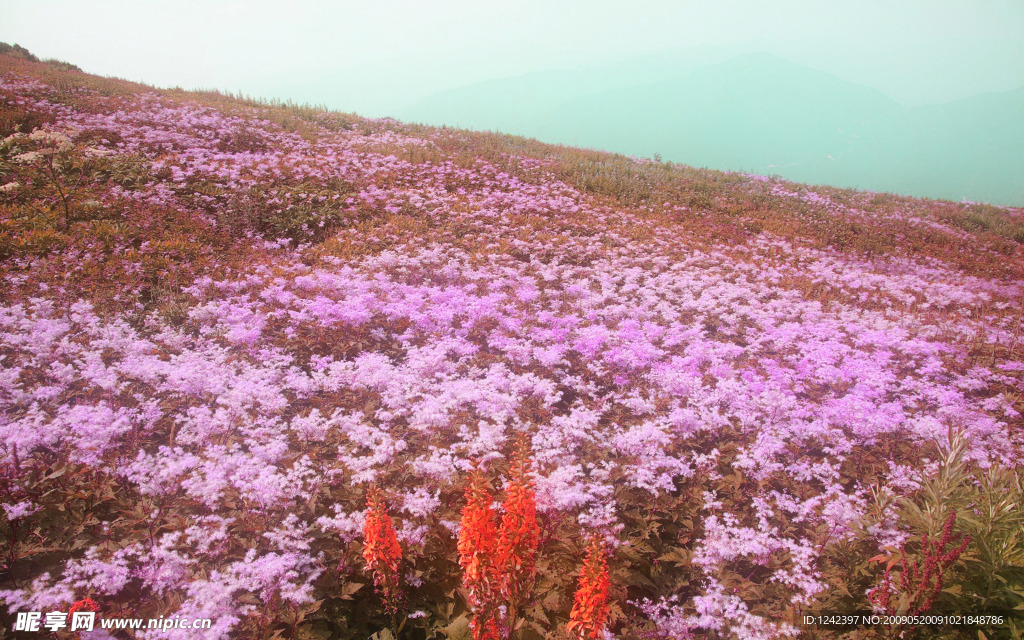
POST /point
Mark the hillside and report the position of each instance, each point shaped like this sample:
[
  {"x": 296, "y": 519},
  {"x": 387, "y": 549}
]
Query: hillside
[
  {"x": 763, "y": 114},
  {"x": 241, "y": 342}
]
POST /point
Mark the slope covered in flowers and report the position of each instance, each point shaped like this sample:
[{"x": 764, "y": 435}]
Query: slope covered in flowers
[{"x": 222, "y": 321}]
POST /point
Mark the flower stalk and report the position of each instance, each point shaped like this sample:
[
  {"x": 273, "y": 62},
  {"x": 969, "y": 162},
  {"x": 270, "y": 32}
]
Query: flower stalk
[
  {"x": 591, "y": 605},
  {"x": 383, "y": 554}
]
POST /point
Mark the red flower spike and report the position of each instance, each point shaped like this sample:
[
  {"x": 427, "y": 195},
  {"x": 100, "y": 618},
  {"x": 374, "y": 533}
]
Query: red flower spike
[
  {"x": 477, "y": 545},
  {"x": 921, "y": 581},
  {"x": 381, "y": 551},
  {"x": 519, "y": 536},
  {"x": 591, "y": 606}
]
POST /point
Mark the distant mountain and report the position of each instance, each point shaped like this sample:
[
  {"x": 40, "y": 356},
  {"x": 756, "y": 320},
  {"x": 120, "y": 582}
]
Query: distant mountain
[
  {"x": 763, "y": 114},
  {"x": 755, "y": 112},
  {"x": 517, "y": 104}
]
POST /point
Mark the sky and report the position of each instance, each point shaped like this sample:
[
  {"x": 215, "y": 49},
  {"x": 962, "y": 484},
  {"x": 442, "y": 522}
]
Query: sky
[{"x": 377, "y": 56}]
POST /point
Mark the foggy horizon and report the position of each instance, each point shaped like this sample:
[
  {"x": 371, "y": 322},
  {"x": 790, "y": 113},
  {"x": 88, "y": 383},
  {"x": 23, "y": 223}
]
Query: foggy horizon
[
  {"x": 535, "y": 69},
  {"x": 387, "y": 60}
]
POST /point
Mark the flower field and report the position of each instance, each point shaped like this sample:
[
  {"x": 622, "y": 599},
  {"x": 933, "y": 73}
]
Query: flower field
[{"x": 247, "y": 347}]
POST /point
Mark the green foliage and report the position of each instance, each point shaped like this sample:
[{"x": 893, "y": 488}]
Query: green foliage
[
  {"x": 46, "y": 172},
  {"x": 306, "y": 211},
  {"x": 989, "y": 503},
  {"x": 62, "y": 65},
  {"x": 988, "y": 577},
  {"x": 986, "y": 218},
  {"x": 60, "y": 525}
]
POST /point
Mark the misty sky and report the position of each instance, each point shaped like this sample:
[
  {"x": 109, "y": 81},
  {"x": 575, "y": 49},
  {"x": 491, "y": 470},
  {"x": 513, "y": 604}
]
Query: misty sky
[{"x": 374, "y": 56}]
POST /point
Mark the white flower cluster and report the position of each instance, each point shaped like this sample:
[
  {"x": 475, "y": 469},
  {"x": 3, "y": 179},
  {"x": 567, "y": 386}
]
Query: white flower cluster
[
  {"x": 42, "y": 143},
  {"x": 54, "y": 139}
]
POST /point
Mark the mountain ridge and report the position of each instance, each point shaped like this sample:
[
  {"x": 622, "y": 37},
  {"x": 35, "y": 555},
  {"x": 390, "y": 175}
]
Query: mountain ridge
[{"x": 889, "y": 146}]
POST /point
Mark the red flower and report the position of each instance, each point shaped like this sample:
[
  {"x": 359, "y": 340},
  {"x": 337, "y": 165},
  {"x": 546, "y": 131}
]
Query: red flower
[
  {"x": 86, "y": 604},
  {"x": 381, "y": 550},
  {"x": 499, "y": 562},
  {"x": 921, "y": 582},
  {"x": 591, "y": 606},
  {"x": 477, "y": 543},
  {"x": 519, "y": 536}
]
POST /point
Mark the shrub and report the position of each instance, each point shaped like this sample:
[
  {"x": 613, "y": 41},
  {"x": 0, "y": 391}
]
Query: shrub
[
  {"x": 17, "y": 51},
  {"x": 965, "y": 551}
]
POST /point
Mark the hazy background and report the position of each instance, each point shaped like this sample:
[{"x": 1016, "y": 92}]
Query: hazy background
[{"x": 924, "y": 97}]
